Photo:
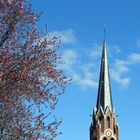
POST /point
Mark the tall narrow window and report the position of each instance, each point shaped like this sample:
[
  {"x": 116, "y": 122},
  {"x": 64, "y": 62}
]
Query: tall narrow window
[
  {"x": 114, "y": 130},
  {"x": 100, "y": 120},
  {"x": 108, "y": 122}
]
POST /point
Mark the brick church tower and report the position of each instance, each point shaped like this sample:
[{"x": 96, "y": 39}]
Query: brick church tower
[{"x": 104, "y": 124}]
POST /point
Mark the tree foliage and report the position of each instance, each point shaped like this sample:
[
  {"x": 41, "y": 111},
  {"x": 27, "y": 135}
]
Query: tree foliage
[{"x": 30, "y": 80}]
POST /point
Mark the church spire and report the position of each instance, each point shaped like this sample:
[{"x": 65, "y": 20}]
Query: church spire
[
  {"x": 104, "y": 99},
  {"x": 104, "y": 124}
]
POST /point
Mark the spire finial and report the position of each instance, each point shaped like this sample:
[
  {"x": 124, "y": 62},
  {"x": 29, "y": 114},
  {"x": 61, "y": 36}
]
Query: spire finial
[{"x": 104, "y": 32}]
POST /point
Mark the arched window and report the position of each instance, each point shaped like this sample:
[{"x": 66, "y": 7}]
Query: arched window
[
  {"x": 104, "y": 138},
  {"x": 112, "y": 139},
  {"x": 108, "y": 122}
]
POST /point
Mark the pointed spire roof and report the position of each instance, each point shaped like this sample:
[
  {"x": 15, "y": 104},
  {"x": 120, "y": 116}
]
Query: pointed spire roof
[{"x": 104, "y": 99}]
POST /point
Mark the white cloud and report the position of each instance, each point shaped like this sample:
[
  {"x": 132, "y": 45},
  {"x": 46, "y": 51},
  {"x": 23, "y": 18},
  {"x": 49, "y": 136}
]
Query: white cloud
[
  {"x": 96, "y": 51},
  {"x": 70, "y": 56},
  {"x": 118, "y": 71},
  {"x": 134, "y": 58},
  {"x": 121, "y": 67},
  {"x": 86, "y": 77},
  {"x": 115, "y": 48},
  {"x": 117, "y": 75},
  {"x": 85, "y": 81},
  {"x": 66, "y": 36},
  {"x": 81, "y": 73}
]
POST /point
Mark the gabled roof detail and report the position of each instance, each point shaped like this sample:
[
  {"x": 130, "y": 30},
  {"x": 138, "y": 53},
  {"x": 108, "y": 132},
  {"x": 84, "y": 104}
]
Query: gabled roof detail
[{"x": 104, "y": 99}]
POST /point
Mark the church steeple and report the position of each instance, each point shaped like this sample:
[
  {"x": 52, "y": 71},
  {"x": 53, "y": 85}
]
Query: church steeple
[
  {"x": 104, "y": 124},
  {"x": 104, "y": 99}
]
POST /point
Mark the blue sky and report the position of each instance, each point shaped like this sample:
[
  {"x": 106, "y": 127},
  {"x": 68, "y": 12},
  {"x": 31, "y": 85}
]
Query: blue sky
[{"x": 80, "y": 24}]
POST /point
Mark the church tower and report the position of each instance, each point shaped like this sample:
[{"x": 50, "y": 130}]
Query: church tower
[{"x": 104, "y": 124}]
